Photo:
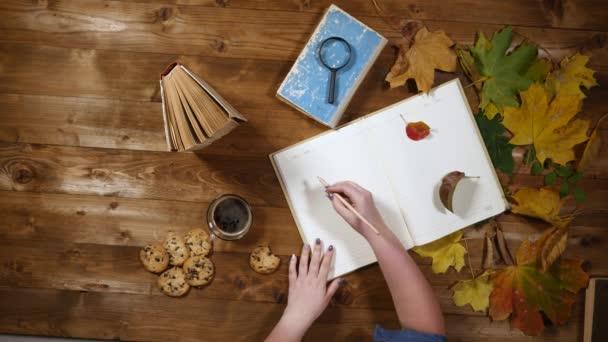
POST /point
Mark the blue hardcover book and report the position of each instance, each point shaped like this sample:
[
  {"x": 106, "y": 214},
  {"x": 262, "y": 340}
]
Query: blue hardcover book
[{"x": 307, "y": 85}]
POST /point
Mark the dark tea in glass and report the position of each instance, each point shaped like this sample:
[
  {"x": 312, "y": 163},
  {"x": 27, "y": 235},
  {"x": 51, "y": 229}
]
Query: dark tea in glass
[{"x": 229, "y": 217}]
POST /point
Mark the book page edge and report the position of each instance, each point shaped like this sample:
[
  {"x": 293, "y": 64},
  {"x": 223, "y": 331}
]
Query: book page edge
[
  {"x": 170, "y": 146},
  {"x": 232, "y": 112}
]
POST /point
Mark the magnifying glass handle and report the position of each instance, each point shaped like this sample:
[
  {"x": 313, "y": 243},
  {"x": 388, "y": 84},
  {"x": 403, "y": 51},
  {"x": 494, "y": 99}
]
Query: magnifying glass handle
[{"x": 332, "y": 86}]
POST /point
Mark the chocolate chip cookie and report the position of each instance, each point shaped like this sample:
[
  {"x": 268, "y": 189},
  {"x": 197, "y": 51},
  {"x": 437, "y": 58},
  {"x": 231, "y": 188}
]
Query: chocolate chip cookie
[
  {"x": 263, "y": 261},
  {"x": 173, "y": 282},
  {"x": 199, "y": 270},
  {"x": 175, "y": 246},
  {"x": 154, "y": 258},
  {"x": 198, "y": 241}
]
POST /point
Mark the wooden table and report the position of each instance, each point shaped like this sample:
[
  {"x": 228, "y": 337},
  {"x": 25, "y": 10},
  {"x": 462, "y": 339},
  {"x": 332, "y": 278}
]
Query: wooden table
[{"x": 85, "y": 181}]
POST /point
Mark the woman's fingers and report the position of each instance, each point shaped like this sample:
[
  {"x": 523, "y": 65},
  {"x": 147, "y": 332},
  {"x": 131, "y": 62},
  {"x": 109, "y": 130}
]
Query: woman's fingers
[
  {"x": 315, "y": 259},
  {"x": 303, "y": 269},
  {"x": 293, "y": 275},
  {"x": 333, "y": 287},
  {"x": 326, "y": 263},
  {"x": 347, "y": 188}
]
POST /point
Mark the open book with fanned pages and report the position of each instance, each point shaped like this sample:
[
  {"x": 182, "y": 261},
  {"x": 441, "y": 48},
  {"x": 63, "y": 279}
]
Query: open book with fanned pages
[
  {"x": 403, "y": 175},
  {"x": 194, "y": 114}
]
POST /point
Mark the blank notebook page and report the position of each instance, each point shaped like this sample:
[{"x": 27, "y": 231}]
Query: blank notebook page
[
  {"x": 344, "y": 154},
  {"x": 415, "y": 168}
]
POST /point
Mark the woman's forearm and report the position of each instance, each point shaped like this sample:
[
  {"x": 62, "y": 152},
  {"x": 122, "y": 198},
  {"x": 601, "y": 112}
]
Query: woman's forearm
[{"x": 415, "y": 303}]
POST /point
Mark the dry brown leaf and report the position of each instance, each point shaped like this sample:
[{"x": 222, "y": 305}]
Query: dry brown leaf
[
  {"x": 491, "y": 259},
  {"x": 427, "y": 52},
  {"x": 448, "y": 187},
  {"x": 553, "y": 246},
  {"x": 592, "y": 149},
  {"x": 503, "y": 250},
  {"x": 495, "y": 251}
]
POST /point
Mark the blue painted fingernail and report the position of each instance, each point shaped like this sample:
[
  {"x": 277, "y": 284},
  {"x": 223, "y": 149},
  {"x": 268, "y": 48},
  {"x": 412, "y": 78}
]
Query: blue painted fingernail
[
  {"x": 331, "y": 248},
  {"x": 341, "y": 281},
  {"x": 318, "y": 241}
]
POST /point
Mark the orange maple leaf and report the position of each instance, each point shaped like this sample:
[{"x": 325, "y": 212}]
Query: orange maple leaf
[{"x": 524, "y": 290}]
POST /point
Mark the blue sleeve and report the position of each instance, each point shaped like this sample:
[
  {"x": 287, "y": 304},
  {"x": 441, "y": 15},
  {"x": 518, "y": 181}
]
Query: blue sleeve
[{"x": 383, "y": 335}]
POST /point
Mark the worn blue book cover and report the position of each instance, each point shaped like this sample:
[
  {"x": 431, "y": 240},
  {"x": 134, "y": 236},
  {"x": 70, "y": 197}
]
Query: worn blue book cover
[{"x": 307, "y": 85}]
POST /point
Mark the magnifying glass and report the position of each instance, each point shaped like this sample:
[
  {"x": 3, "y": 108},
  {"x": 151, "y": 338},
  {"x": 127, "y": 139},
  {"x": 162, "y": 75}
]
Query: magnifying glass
[{"x": 334, "y": 53}]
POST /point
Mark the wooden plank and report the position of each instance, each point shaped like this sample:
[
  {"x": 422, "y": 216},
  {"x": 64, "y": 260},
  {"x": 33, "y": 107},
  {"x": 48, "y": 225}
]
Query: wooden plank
[
  {"x": 103, "y": 268},
  {"x": 581, "y": 14},
  {"x": 233, "y": 32},
  {"x": 157, "y": 318},
  {"x": 77, "y": 121},
  {"x": 130, "y": 222},
  {"x": 139, "y": 174},
  {"x": 137, "y": 125},
  {"x": 116, "y": 269}
]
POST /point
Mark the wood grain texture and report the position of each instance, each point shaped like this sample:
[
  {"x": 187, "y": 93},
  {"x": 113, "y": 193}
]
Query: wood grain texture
[
  {"x": 222, "y": 32},
  {"x": 84, "y": 182},
  {"x": 151, "y": 318},
  {"x": 125, "y": 173},
  {"x": 581, "y": 14}
]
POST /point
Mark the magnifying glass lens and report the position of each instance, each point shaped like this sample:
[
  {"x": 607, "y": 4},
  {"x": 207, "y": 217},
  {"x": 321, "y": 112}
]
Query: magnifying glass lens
[{"x": 335, "y": 54}]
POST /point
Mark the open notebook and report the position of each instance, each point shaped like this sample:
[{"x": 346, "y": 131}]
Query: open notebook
[{"x": 403, "y": 175}]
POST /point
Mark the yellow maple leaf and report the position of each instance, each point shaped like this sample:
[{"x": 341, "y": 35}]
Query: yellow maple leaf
[
  {"x": 572, "y": 74},
  {"x": 429, "y": 51},
  {"x": 543, "y": 203},
  {"x": 475, "y": 292},
  {"x": 547, "y": 125},
  {"x": 445, "y": 252}
]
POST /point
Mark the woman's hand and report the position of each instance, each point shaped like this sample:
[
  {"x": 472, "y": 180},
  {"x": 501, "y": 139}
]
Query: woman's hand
[
  {"x": 362, "y": 201},
  {"x": 309, "y": 293}
]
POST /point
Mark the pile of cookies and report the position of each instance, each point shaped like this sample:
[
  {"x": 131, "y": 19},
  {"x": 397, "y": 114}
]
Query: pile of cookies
[{"x": 188, "y": 258}]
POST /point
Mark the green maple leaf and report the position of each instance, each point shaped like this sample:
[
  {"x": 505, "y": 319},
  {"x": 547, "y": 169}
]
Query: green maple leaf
[
  {"x": 499, "y": 149},
  {"x": 505, "y": 74}
]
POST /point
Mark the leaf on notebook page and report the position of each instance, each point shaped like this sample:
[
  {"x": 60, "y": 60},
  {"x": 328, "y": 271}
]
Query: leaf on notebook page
[
  {"x": 524, "y": 290},
  {"x": 417, "y": 130},
  {"x": 546, "y": 123},
  {"x": 419, "y": 58},
  {"x": 544, "y": 203},
  {"x": 448, "y": 188},
  {"x": 445, "y": 252},
  {"x": 475, "y": 292},
  {"x": 504, "y": 73}
]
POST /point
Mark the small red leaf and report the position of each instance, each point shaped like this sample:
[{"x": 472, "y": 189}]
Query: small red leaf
[{"x": 417, "y": 130}]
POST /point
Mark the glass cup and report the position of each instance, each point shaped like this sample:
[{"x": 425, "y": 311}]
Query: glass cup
[{"x": 229, "y": 217}]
